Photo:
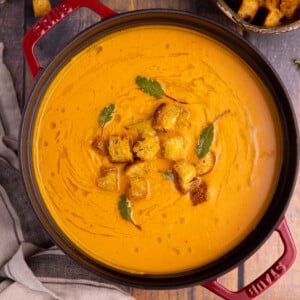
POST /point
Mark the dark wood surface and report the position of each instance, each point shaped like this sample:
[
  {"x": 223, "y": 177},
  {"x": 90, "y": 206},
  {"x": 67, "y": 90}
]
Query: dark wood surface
[{"x": 16, "y": 16}]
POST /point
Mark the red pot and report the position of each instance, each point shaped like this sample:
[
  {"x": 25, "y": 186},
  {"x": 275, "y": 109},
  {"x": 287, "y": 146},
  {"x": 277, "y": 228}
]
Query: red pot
[{"x": 274, "y": 217}]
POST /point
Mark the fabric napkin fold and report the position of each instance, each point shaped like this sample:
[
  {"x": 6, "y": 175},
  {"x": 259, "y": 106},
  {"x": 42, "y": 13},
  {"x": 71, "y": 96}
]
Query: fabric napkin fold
[{"x": 30, "y": 265}]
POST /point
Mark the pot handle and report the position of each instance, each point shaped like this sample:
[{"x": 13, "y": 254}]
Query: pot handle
[
  {"x": 47, "y": 22},
  {"x": 269, "y": 277}
]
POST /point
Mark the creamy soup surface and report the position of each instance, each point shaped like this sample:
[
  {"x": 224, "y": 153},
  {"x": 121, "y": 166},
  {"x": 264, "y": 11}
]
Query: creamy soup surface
[{"x": 175, "y": 235}]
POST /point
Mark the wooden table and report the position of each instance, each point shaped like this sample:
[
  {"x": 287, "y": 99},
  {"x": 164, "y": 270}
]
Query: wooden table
[{"x": 16, "y": 16}]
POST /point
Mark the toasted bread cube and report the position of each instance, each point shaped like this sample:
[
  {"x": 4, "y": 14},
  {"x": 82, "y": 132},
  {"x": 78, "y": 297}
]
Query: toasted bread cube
[
  {"x": 119, "y": 149},
  {"x": 137, "y": 169},
  {"x": 184, "y": 174},
  {"x": 165, "y": 117},
  {"x": 270, "y": 4},
  {"x": 289, "y": 7},
  {"x": 198, "y": 191},
  {"x": 99, "y": 144},
  {"x": 41, "y": 7},
  {"x": 147, "y": 148},
  {"x": 109, "y": 179},
  {"x": 142, "y": 128},
  {"x": 138, "y": 188},
  {"x": 273, "y": 18},
  {"x": 173, "y": 147},
  {"x": 185, "y": 171},
  {"x": 183, "y": 119},
  {"x": 248, "y": 9}
]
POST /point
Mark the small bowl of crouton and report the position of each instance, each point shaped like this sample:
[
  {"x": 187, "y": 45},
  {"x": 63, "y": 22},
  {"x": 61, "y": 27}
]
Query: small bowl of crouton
[{"x": 263, "y": 16}]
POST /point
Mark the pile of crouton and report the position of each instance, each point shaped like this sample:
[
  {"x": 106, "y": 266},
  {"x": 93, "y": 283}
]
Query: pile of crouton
[
  {"x": 267, "y": 12},
  {"x": 145, "y": 141}
]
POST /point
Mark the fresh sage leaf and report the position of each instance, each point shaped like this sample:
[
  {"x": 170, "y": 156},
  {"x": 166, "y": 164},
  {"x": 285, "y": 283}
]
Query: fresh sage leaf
[
  {"x": 154, "y": 89},
  {"x": 150, "y": 86},
  {"x": 169, "y": 175},
  {"x": 126, "y": 211},
  {"x": 106, "y": 114},
  {"x": 205, "y": 140},
  {"x": 207, "y": 135},
  {"x": 125, "y": 208}
]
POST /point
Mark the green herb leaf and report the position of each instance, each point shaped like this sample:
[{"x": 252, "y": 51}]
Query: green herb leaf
[
  {"x": 169, "y": 175},
  {"x": 125, "y": 208},
  {"x": 205, "y": 140},
  {"x": 106, "y": 114},
  {"x": 207, "y": 135},
  {"x": 297, "y": 63},
  {"x": 149, "y": 86},
  {"x": 126, "y": 211}
]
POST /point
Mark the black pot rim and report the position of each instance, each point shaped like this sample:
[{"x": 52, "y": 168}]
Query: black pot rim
[{"x": 266, "y": 73}]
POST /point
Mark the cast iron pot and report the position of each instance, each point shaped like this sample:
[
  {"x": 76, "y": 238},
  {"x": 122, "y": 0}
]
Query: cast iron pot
[{"x": 273, "y": 220}]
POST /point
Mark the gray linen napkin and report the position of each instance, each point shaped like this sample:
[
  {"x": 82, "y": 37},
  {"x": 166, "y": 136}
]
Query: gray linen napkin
[{"x": 30, "y": 265}]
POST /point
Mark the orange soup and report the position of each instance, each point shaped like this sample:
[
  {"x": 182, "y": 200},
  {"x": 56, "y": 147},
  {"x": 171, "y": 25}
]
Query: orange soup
[{"x": 119, "y": 168}]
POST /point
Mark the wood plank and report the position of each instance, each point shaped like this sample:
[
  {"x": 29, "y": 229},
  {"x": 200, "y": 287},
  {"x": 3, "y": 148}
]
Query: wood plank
[
  {"x": 191, "y": 293},
  {"x": 11, "y": 33},
  {"x": 196, "y": 292}
]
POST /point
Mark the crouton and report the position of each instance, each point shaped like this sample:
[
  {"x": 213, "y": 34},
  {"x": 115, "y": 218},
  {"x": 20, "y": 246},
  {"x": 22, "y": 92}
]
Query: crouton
[
  {"x": 270, "y": 4},
  {"x": 109, "y": 179},
  {"x": 137, "y": 169},
  {"x": 184, "y": 174},
  {"x": 119, "y": 149},
  {"x": 198, "y": 191},
  {"x": 183, "y": 119},
  {"x": 273, "y": 18},
  {"x": 41, "y": 7},
  {"x": 99, "y": 144},
  {"x": 248, "y": 9},
  {"x": 173, "y": 147},
  {"x": 165, "y": 117},
  {"x": 146, "y": 148},
  {"x": 206, "y": 164},
  {"x": 289, "y": 7},
  {"x": 267, "y": 13},
  {"x": 142, "y": 128},
  {"x": 138, "y": 188}
]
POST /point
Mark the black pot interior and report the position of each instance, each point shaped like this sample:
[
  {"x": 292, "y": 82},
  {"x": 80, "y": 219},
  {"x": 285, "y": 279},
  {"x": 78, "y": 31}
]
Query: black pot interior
[{"x": 290, "y": 139}]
